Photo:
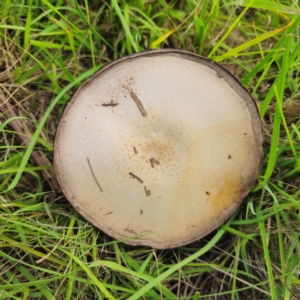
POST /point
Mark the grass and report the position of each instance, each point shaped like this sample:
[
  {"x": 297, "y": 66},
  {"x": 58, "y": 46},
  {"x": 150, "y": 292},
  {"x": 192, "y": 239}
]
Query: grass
[{"x": 47, "y": 49}]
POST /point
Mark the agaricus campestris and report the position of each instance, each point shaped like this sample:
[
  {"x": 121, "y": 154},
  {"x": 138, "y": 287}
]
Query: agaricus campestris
[{"x": 159, "y": 148}]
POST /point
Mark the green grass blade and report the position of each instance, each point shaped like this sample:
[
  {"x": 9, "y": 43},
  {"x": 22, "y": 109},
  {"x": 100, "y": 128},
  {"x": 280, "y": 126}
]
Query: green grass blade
[
  {"x": 93, "y": 278},
  {"x": 125, "y": 25},
  {"x": 248, "y": 44},
  {"x": 232, "y": 26},
  {"x": 44, "y": 44},
  {"x": 176, "y": 267},
  {"x": 273, "y": 154},
  {"x": 267, "y": 58},
  {"x": 267, "y": 260},
  {"x": 27, "y": 27}
]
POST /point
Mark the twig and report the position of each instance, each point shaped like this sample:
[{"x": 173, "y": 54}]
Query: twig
[
  {"x": 134, "y": 149},
  {"x": 138, "y": 103},
  {"x": 148, "y": 192},
  {"x": 94, "y": 174},
  {"x": 111, "y": 103},
  {"x": 25, "y": 137},
  {"x": 136, "y": 177},
  {"x": 153, "y": 161}
]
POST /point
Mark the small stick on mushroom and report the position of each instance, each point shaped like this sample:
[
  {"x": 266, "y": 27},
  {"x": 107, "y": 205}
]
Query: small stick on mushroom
[
  {"x": 111, "y": 103},
  {"x": 134, "y": 176},
  {"x": 138, "y": 103},
  {"x": 148, "y": 192},
  {"x": 134, "y": 149},
  {"x": 94, "y": 174},
  {"x": 153, "y": 161}
]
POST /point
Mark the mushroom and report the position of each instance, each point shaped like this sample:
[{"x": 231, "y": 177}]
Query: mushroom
[{"x": 159, "y": 148}]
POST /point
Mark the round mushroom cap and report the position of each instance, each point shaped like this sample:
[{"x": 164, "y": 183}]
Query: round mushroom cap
[{"x": 159, "y": 148}]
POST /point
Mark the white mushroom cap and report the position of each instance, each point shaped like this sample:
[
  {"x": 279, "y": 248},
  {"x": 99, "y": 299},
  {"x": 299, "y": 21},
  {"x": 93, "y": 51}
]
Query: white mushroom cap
[{"x": 159, "y": 148}]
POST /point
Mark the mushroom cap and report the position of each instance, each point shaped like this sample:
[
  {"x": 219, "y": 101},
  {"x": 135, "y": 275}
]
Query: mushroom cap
[{"x": 159, "y": 148}]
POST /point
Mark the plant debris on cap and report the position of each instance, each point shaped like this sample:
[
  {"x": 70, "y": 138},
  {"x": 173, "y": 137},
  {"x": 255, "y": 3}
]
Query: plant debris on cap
[{"x": 159, "y": 148}]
